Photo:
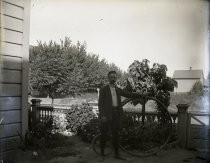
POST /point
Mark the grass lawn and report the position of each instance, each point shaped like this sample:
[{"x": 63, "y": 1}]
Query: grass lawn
[
  {"x": 69, "y": 100},
  {"x": 197, "y": 102}
]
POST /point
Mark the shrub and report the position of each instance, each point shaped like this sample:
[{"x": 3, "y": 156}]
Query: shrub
[
  {"x": 42, "y": 136},
  {"x": 134, "y": 135},
  {"x": 59, "y": 123},
  {"x": 89, "y": 131},
  {"x": 79, "y": 116}
]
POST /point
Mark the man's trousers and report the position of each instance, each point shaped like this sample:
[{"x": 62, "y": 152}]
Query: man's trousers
[{"x": 112, "y": 127}]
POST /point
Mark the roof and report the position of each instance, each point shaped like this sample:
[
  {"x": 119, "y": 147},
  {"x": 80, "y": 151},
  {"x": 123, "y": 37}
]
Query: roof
[{"x": 188, "y": 74}]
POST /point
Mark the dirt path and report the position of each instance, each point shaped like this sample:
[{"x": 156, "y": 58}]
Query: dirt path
[
  {"x": 86, "y": 155},
  {"x": 169, "y": 156}
]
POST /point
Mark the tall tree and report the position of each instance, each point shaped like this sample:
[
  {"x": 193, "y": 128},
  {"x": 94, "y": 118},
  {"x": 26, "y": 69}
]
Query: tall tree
[
  {"x": 48, "y": 69},
  {"x": 62, "y": 69},
  {"x": 153, "y": 80}
]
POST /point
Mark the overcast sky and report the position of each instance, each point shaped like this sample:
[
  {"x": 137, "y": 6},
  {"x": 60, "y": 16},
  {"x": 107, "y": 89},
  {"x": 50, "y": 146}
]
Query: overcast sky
[{"x": 171, "y": 32}]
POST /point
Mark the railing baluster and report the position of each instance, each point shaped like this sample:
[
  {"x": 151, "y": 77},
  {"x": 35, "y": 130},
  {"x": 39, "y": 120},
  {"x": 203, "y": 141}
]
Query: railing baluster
[
  {"x": 45, "y": 115},
  {"x": 143, "y": 112}
]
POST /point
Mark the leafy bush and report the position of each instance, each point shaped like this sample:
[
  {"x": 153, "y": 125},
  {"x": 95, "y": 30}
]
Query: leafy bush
[
  {"x": 59, "y": 123},
  {"x": 42, "y": 136},
  {"x": 143, "y": 78},
  {"x": 136, "y": 136},
  {"x": 89, "y": 131},
  {"x": 79, "y": 116}
]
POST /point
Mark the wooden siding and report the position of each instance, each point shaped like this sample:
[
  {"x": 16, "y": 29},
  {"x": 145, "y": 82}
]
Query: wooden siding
[
  {"x": 11, "y": 23},
  {"x": 10, "y": 103},
  {"x": 14, "y": 51},
  {"x": 10, "y": 90},
  {"x": 11, "y": 49},
  {"x": 12, "y": 37},
  {"x": 16, "y": 2},
  {"x": 185, "y": 85},
  {"x": 12, "y": 10},
  {"x": 9, "y": 143},
  {"x": 13, "y": 63},
  {"x": 11, "y": 116},
  {"x": 10, "y": 130},
  {"x": 10, "y": 76}
]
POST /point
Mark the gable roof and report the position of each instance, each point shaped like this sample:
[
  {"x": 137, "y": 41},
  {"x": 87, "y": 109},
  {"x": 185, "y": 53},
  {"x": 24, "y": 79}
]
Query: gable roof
[{"x": 188, "y": 74}]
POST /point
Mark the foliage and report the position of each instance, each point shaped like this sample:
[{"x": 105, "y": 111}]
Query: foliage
[
  {"x": 61, "y": 69},
  {"x": 48, "y": 69},
  {"x": 59, "y": 122},
  {"x": 42, "y": 136},
  {"x": 46, "y": 143},
  {"x": 89, "y": 131},
  {"x": 136, "y": 136},
  {"x": 154, "y": 80},
  {"x": 197, "y": 88},
  {"x": 78, "y": 116}
]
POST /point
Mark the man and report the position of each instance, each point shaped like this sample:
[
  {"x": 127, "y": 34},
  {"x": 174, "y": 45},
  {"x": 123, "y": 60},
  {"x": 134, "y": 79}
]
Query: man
[{"x": 110, "y": 112}]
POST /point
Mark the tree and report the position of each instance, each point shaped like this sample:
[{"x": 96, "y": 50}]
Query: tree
[
  {"x": 48, "y": 69},
  {"x": 62, "y": 69},
  {"x": 197, "y": 88},
  {"x": 142, "y": 78}
]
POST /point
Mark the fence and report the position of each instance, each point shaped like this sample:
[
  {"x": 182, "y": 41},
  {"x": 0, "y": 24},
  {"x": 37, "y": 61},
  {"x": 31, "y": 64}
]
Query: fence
[
  {"x": 198, "y": 131},
  {"x": 43, "y": 113},
  {"x": 185, "y": 132}
]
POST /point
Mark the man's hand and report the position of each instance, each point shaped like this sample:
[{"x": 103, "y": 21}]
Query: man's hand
[{"x": 103, "y": 119}]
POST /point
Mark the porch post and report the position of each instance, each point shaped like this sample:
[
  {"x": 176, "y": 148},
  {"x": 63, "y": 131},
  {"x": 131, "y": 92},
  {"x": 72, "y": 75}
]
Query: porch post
[
  {"x": 182, "y": 125},
  {"x": 35, "y": 113}
]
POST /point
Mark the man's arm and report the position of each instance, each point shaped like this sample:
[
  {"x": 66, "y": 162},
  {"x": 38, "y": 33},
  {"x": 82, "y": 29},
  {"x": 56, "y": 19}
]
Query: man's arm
[{"x": 131, "y": 94}]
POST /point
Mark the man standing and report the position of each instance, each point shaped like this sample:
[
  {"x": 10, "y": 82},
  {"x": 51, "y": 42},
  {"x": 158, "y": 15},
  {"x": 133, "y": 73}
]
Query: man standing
[{"x": 110, "y": 112}]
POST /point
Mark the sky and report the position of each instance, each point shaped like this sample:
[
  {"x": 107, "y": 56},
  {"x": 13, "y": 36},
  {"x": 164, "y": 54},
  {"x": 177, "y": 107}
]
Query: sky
[{"x": 170, "y": 32}]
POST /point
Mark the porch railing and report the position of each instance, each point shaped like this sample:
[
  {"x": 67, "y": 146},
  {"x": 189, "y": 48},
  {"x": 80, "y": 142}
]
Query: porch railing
[{"x": 42, "y": 113}]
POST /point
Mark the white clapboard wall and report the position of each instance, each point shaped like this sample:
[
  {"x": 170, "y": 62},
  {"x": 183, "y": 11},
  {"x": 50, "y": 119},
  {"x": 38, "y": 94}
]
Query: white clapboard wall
[{"x": 14, "y": 54}]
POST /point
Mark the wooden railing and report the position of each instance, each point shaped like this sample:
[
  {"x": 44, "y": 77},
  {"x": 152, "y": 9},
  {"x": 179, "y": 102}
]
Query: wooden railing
[
  {"x": 154, "y": 117},
  {"x": 42, "y": 113},
  {"x": 45, "y": 113},
  {"x": 38, "y": 113}
]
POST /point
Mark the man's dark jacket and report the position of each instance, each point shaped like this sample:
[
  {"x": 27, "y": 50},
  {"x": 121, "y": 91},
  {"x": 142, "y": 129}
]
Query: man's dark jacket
[{"x": 105, "y": 100}]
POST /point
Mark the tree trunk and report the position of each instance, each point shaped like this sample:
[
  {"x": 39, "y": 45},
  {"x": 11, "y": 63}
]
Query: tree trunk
[{"x": 52, "y": 101}]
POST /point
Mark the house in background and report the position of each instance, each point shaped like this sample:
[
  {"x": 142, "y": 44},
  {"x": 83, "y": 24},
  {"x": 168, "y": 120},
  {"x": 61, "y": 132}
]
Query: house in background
[
  {"x": 14, "y": 54},
  {"x": 186, "y": 79}
]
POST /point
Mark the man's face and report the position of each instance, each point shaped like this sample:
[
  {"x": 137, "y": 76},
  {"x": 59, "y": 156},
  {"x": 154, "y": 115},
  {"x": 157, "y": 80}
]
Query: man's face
[{"x": 112, "y": 78}]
